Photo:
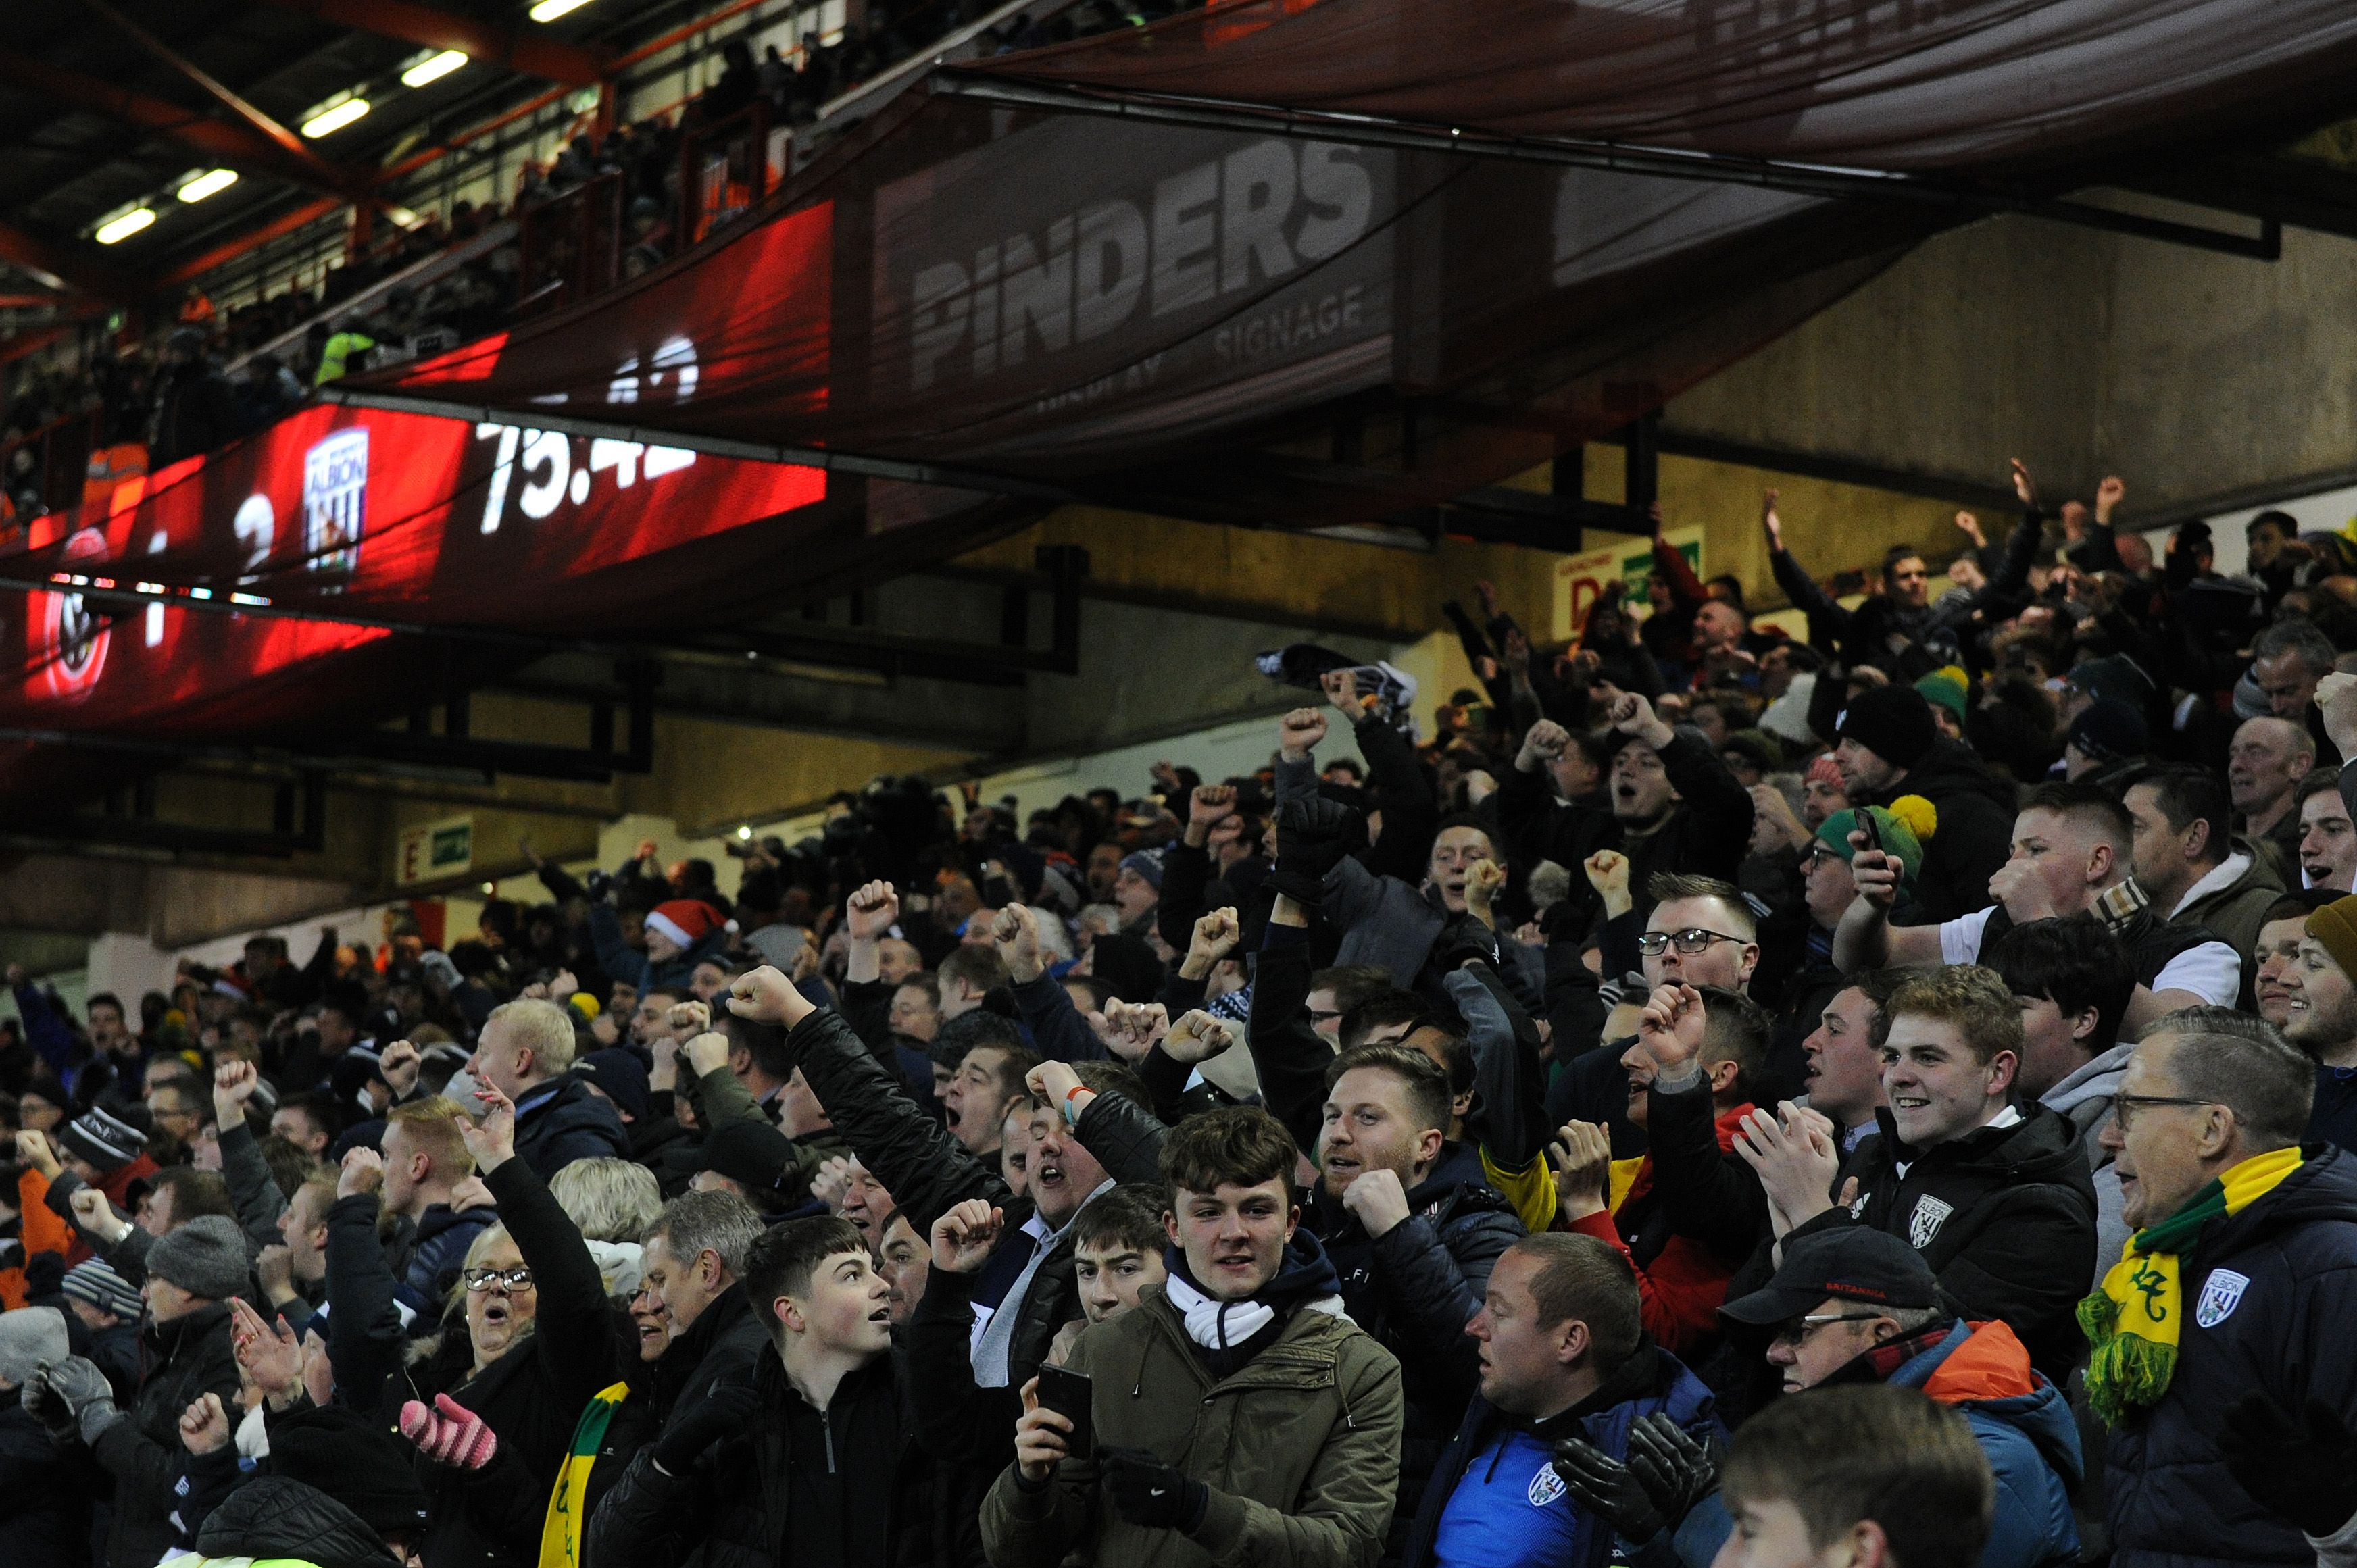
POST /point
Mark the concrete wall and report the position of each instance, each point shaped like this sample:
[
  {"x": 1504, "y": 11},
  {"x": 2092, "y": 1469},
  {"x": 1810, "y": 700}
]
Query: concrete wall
[{"x": 2208, "y": 382}]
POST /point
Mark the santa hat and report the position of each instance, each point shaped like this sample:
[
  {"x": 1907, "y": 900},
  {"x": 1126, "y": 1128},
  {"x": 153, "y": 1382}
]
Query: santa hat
[{"x": 687, "y": 922}]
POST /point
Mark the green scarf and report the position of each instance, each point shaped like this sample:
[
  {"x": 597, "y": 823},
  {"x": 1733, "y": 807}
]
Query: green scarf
[{"x": 2133, "y": 1319}]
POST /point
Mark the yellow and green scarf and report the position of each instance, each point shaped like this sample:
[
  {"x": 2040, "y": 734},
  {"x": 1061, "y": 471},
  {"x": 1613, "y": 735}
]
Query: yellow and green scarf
[
  {"x": 2133, "y": 1319},
  {"x": 560, "y": 1536}
]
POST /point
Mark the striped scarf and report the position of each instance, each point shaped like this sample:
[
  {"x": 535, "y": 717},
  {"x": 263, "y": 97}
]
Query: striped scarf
[
  {"x": 560, "y": 1536},
  {"x": 2133, "y": 1319}
]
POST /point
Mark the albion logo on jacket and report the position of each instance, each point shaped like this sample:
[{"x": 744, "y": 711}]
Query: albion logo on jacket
[{"x": 1925, "y": 1222}]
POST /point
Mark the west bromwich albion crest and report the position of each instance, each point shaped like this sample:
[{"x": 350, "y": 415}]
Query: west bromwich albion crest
[
  {"x": 335, "y": 503},
  {"x": 1545, "y": 1487},
  {"x": 2221, "y": 1293},
  {"x": 1925, "y": 1222}
]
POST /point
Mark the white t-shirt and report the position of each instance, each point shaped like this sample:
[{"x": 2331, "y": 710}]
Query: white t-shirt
[{"x": 2212, "y": 970}]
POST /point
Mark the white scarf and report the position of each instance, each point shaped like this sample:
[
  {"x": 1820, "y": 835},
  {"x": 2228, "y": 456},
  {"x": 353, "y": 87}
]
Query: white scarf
[{"x": 1225, "y": 1325}]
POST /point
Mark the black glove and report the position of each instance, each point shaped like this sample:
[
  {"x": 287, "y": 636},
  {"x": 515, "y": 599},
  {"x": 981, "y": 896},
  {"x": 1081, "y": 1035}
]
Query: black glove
[
  {"x": 1312, "y": 837},
  {"x": 1609, "y": 1490},
  {"x": 2303, "y": 1467},
  {"x": 725, "y": 1411},
  {"x": 1676, "y": 1471},
  {"x": 1150, "y": 1494}
]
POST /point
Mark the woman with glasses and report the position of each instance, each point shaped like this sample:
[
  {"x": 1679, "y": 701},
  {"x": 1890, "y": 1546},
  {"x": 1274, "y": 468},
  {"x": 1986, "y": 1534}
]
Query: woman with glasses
[{"x": 525, "y": 1343}]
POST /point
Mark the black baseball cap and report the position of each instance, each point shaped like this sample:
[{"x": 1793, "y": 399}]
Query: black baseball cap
[{"x": 1851, "y": 1262}]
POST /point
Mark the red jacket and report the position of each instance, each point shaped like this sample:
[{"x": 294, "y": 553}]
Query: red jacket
[{"x": 1685, "y": 1284}]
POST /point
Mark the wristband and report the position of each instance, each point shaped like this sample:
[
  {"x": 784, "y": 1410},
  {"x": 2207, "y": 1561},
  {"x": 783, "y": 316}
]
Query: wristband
[{"x": 1072, "y": 1117}]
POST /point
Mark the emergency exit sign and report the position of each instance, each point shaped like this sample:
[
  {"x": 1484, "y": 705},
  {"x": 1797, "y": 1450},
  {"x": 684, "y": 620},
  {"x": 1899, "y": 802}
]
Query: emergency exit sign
[{"x": 432, "y": 851}]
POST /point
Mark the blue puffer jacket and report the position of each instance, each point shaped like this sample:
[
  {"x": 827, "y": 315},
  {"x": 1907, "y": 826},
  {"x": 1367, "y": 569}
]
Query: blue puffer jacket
[
  {"x": 2023, "y": 1424},
  {"x": 2030, "y": 1437},
  {"x": 1652, "y": 1380},
  {"x": 2273, "y": 1293}
]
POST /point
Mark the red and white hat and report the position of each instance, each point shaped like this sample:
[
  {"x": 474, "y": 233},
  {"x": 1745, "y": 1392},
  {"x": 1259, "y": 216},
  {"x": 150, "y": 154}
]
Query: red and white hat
[{"x": 687, "y": 922}]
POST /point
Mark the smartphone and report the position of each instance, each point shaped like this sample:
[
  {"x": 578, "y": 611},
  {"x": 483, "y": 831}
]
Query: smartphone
[
  {"x": 1866, "y": 825},
  {"x": 1068, "y": 1393}
]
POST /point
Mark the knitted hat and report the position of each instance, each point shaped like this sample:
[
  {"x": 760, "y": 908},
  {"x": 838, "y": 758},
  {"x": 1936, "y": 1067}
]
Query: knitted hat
[
  {"x": 1947, "y": 688},
  {"x": 1902, "y": 829},
  {"x": 1892, "y": 722},
  {"x": 206, "y": 1257},
  {"x": 354, "y": 1461},
  {"x": 1826, "y": 770},
  {"x": 2114, "y": 675},
  {"x": 1762, "y": 750},
  {"x": 2109, "y": 731},
  {"x": 30, "y": 1336},
  {"x": 620, "y": 1076},
  {"x": 687, "y": 922},
  {"x": 106, "y": 1141},
  {"x": 2335, "y": 926},
  {"x": 751, "y": 1153},
  {"x": 102, "y": 1287},
  {"x": 1146, "y": 863}
]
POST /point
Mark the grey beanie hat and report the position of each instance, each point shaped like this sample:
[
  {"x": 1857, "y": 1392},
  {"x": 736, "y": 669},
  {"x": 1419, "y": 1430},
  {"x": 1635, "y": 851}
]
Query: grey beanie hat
[
  {"x": 30, "y": 1336},
  {"x": 205, "y": 1257}
]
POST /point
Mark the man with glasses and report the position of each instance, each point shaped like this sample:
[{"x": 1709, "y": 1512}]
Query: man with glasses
[
  {"x": 1996, "y": 1197},
  {"x": 2230, "y": 1439},
  {"x": 1701, "y": 932},
  {"x": 1859, "y": 1306}
]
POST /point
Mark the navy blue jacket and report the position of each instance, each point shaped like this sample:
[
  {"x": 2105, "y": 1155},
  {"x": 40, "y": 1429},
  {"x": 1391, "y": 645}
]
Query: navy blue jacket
[
  {"x": 2273, "y": 1293},
  {"x": 1652, "y": 1380},
  {"x": 572, "y": 1124}
]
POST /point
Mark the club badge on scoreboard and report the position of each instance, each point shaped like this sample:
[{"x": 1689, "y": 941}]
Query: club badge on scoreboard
[{"x": 335, "y": 502}]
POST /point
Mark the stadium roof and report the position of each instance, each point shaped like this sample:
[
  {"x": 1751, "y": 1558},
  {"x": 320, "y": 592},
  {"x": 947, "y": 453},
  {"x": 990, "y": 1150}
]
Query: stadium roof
[{"x": 109, "y": 107}]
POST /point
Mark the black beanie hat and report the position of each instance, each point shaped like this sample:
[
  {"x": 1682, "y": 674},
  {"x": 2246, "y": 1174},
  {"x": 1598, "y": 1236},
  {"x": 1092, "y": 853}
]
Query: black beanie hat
[{"x": 1892, "y": 722}]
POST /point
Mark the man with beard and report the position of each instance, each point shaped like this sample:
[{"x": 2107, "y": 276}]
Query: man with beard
[{"x": 2321, "y": 1018}]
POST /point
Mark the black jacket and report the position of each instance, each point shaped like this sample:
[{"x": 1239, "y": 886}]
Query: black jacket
[
  {"x": 2284, "y": 1270},
  {"x": 272, "y": 1516},
  {"x": 1975, "y": 833},
  {"x": 1414, "y": 1288},
  {"x": 927, "y": 1171},
  {"x": 2006, "y": 1217},
  {"x": 720, "y": 1346},
  {"x": 573, "y": 1124},
  {"x": 892, "y": 1504},
  {"x": 185, "y": 1358},
  {"x": 530, "y": 1396},
  {"x": 44, "y": 1499}
]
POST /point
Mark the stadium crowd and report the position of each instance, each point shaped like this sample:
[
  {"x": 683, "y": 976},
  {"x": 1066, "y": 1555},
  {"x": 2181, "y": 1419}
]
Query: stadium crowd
[{"x": 1872, "y": 1097}]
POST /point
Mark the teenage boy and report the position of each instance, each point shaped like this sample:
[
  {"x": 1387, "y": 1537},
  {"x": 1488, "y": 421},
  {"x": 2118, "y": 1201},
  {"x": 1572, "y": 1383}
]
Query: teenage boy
[
  {"x": 1198, "y": 1434},
  {"x": 816, "y": 1450}
]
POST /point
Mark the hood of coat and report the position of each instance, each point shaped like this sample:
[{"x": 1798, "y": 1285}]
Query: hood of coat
[
  {"x": 271, "y": 1515},
  {"x": 2085, "y": 1097},
  {"x": 1985, "y": 1368}
]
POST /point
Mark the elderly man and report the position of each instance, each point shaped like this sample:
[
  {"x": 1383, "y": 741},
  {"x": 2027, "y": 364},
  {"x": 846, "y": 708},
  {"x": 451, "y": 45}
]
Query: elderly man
[
  {"x": 2287, "y": 662},
  {"x": 2264, "y": 767},
  {"x": 2254, "y": 1240},
  {"x": 526, "y": 1051}
]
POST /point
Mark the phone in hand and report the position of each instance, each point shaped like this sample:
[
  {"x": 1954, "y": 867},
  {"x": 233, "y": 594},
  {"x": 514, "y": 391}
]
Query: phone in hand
[
  {"x": 1866, "y": 825},
  {"x": 1068, "y": 1394}
]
